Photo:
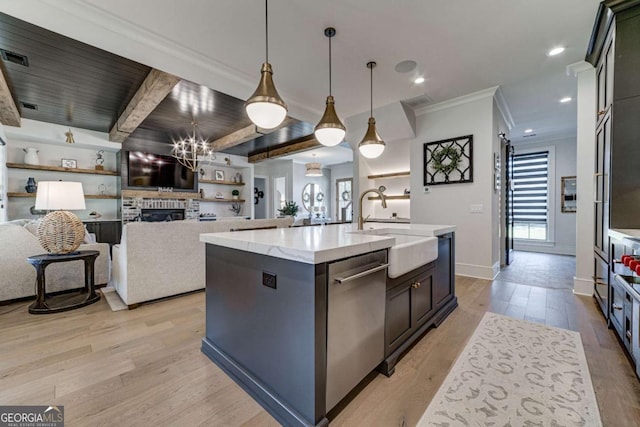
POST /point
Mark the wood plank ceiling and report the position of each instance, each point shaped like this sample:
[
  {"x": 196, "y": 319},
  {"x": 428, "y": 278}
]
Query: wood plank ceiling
[{"x": 73, "y": 84}]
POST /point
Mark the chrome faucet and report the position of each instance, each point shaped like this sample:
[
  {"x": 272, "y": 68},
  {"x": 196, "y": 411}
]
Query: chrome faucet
[{"x": 382, "y": 199}]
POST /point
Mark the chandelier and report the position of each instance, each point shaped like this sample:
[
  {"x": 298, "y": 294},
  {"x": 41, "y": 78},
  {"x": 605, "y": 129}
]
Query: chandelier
[{"x": 191, "y": 151}]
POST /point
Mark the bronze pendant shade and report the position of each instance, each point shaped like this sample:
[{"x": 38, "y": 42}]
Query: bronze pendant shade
[{"x": 371, "y": 145}]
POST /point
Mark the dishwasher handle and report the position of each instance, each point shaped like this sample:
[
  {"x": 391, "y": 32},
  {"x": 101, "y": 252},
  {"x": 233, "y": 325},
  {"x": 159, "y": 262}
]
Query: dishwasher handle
[{"x": 359, "y": 275}]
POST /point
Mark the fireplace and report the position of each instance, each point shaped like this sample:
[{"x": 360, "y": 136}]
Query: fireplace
[{"x": 156, "y": 215}]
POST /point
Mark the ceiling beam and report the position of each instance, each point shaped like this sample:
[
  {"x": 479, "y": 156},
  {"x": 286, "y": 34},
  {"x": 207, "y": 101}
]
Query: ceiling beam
[
  {"x": 303, "y": 144},
  {"x": 245, "y": 134},
  {"x": 155, "y": 87},
  {"x": 9, "y": 114}
]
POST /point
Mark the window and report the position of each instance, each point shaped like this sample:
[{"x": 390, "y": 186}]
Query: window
[{"x": 530, "y": 196}]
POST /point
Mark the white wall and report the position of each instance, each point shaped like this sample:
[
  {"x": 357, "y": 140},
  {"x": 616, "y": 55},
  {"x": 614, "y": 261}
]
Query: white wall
[
  {"x": 300, "y": 180},
  {"x": 341, "y": 171},
  {"x": 274, "y": 169},
  {"x": 450, "y": 204},
  {"x": 49, "y": 140},
  {"x": 562, "y": 238},
  {"x": 585, "y": 159}
]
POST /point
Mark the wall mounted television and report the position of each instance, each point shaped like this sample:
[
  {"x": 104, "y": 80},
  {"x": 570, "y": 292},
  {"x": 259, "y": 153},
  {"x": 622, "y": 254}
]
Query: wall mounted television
[{"x": 146, "y": 170}]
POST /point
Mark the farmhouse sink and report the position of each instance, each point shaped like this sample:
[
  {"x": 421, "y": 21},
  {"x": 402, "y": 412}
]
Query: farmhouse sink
[{"x": 410, "y": 252}]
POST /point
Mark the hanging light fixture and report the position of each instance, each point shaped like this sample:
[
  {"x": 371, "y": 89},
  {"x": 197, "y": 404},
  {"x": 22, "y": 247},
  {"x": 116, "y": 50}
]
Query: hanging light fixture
[
  {"x": 371, "y": 145},
  {"x": 265, "y": 108},
  {"x": 313, "y": 168},
  {"x": 330, "y": 130},
  {"x": 69, "y": 136},
  {"x": 191, "y": 151}
]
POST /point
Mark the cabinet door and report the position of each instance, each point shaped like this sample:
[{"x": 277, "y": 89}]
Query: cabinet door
[
  {"x": 601, "y": 283},
  {"x": 444, "y": 280},
  {"x": 421, "y": 298},
  {"x": 398, "y": 317},
  {"x": 616, "y": 315},
  {"x": 601, "y": 187}
]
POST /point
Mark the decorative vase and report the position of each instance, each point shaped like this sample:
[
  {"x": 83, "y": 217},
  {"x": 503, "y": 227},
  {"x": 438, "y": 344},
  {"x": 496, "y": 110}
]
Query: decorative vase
[
  {"x": 31, "y": 186},
  {"x": 31, "y": 156}
]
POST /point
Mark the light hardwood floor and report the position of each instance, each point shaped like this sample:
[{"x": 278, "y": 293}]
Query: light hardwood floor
[{"x": 144, "y": 367}]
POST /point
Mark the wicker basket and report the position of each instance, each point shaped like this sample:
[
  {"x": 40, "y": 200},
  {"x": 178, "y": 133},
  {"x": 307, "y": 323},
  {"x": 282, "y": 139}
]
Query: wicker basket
[{"x": 60, "y": 232}]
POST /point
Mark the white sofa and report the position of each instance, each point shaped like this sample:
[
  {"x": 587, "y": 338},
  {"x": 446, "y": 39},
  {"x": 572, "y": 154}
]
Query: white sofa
[
  {"x": 160, "y": 259},
  {"x": 18, "y": 277}
]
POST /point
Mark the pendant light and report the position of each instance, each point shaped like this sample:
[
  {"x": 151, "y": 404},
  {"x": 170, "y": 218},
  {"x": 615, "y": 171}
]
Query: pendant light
[
  {"x": 371, "y": 145},
  {"x": 265, "y": 108},
  {"x": 313, "y": 168},
  {"x": 330, "y": 130}
]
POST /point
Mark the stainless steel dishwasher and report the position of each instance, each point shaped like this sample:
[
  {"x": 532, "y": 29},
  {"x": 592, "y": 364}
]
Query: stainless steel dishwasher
[{"x": 355, "y": 321}]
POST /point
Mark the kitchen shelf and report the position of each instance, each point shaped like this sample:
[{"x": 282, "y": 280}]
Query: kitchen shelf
[
  {"x": 61, "y": 169},
  {"x": 213, "y": 181},
  {"x": 390, "y": 175},
  {"x": 223, "y": 200},
  {"x": 86, "y": 196},
  {"x": 398, "y": 197}
]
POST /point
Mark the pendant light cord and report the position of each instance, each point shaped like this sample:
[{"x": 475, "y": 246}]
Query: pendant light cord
[
  {"x": 329, "y": 66},
  {"x": 266, "y": 28},
  {"x": 371, "y": 68}
]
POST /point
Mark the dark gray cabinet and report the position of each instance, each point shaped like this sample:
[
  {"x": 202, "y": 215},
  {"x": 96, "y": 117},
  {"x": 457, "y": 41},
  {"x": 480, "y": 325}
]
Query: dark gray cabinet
[
  {"x": 409, "y": 303},
  {"x": 614, "y": 50},
  {"x": 417, "y": 301},
  {"x": 105, "y": 231}
]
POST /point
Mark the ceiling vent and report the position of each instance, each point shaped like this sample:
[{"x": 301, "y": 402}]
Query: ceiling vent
[
  {"x": 29, "y": 106},
  {"x": 16, "y": 58},
  {"x": 529, "y": 135}
]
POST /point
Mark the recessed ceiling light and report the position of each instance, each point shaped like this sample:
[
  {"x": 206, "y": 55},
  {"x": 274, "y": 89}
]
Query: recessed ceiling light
[
  {"x": 528, "y": 130},
  {"x": 565, "y": 99},
  {"x": 555, "y": 51},
  {"x": 419, "y": 80}
]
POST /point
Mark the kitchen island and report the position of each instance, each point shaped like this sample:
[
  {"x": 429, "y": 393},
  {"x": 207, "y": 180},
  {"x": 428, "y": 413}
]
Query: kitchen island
[{"x": 299, "y": 316}]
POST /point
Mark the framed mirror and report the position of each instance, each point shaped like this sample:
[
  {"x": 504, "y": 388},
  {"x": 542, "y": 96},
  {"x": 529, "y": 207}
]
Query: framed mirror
[
  {"x": 568, "y": 195},
  {"x": 312, "y": 197}
]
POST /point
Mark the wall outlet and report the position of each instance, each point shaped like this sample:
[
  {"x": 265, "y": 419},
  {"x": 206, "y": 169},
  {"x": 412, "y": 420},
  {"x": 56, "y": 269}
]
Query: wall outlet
[
  {"x": 427, "y": 190},
  {"x": 476, "y": 209}
]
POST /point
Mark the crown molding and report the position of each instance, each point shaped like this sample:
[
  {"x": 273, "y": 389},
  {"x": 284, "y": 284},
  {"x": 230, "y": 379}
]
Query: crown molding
[
  {"x": 503, "y": 107},
  {"x": 464, "y": 99},
  {"x": 578, "y": 67}
]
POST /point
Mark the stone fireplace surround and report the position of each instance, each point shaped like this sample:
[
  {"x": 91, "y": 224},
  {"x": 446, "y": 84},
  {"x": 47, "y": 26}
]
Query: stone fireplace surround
[{"x": 132, "y": 205}]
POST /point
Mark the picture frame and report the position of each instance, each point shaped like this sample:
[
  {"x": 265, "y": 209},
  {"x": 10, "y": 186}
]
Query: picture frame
[
  {"x": 69, "y": 163},
  {"x": 218, "y": 175},
  {"x": 448, "y": 161}
]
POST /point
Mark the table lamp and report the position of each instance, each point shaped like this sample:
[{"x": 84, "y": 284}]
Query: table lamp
[{"x": 60, "y": 231}]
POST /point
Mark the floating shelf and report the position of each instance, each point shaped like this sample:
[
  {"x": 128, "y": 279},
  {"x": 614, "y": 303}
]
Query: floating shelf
[
  {"x": 86, "y": 196},
  {"x": 223, "y": 200},
  {"x": 390, "y": 175},
  {"x": 60, "y": 169},
  {"x": 398, "y": 197},
  {"x": 150, "y": 194},
  {"x": 213, "y": 181}
]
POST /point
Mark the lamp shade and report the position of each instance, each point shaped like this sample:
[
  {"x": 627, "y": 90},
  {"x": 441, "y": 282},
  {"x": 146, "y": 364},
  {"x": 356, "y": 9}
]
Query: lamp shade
[
  {"x": 371, "y": 145},
  {"x": 60, "y": 195},
  {"x": 330, "y": 131},
  {"x": 265, "y": 108},
  {"x": 313, "y": 169}
]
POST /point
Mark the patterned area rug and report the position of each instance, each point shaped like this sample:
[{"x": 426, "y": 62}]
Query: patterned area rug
[
  {"x": 113, "y": 299},
  {"x": 516, "y": 373}
]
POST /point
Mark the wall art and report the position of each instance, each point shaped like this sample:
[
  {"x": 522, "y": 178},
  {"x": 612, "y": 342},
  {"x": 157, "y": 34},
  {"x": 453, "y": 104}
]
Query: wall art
[{"x": 449, "y": 161}]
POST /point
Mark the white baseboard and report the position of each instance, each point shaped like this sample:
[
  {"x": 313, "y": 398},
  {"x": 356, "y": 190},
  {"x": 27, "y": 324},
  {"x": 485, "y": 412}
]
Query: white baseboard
[
  {"x": 546, "y": 248},
  {"x": 478, "y": 271},
  {"x": 583, "y": 287}
]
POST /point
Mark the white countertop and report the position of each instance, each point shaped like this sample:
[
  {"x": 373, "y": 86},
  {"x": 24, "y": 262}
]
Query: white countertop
[
  {"x": 621, "y": 233},
  {"x": 315, "y": 245}
]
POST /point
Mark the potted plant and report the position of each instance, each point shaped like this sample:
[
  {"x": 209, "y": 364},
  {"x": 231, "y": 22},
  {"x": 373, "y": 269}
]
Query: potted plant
[
  {"x": 290, "y": 208},
  {"x": 235, "y": 194}
]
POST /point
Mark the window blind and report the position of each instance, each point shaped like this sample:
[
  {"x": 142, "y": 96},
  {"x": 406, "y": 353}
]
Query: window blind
[{"x": 530, "y": 179}]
